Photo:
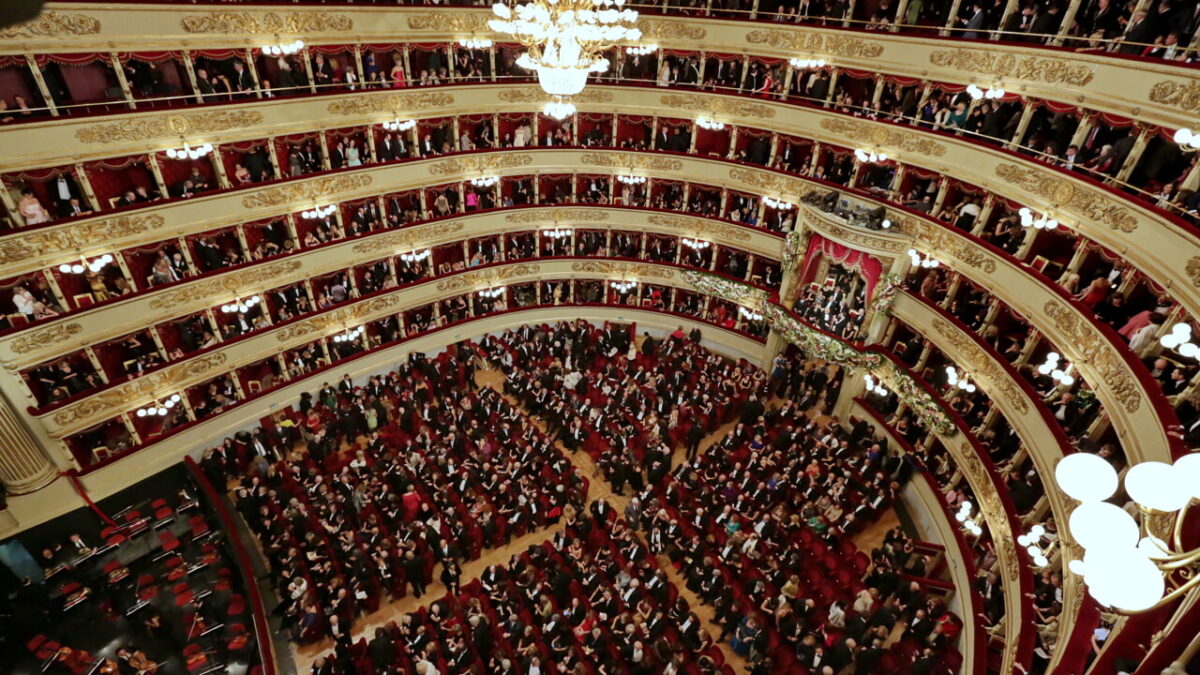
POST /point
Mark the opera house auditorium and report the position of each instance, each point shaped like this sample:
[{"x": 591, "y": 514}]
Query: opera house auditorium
[{"x": 600, "y": 337}]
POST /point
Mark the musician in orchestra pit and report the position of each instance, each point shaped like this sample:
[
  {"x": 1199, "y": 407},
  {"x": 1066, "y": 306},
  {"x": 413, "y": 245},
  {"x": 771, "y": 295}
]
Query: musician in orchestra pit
[{"x": 134, "y": 662}]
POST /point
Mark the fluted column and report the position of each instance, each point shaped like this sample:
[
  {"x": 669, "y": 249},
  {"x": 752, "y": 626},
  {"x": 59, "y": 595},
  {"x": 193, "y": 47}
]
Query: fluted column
[{"x": 24, "y": 467}]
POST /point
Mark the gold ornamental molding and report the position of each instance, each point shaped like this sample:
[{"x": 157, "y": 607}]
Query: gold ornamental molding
[
  {"x": 475, "y": 163},
  {"x": 140, "y": 390},
  {"x": 46, "y": 341},
  {"x": 341, "y": 318},
  {"x": 555, "y": 215},
  {"x": 488, "y": 278},
  {"x": 319, "y": 190},
  {"x": 267, "y": 23},
  {"x": 894, "y": 137},
  {"x": 53, "y": 241},
  {"x": 449, "y": 22},
  {"x": 855, "y": 236},
  {"x": 536, "y": 95},
  {"x": 655, "y": 28},
  {"x": 53, "y": 24},
  {"x": 997, "y": 64},
  {"x": 40, "y": 339},
  {"x": 629, "y": 160},
  {"x": 1091, "y": 203},
  {"x": 720, "y": 106},
  {"x": 1097, "y": 354},
  {"x": 817, "y": 43},
  {"x": 1182, "y": 95},
  {"x": 772, "y": 182},
  {"x": 981, "y": 365},
  {"x": 624, "y": 270},
  {"x": 137, "y": 128},
  {"x": 237, "y": 283},
  {"x": 940, "y": 238},
  {"x": 400, "y": 239},
  {"x": 392, "y": 103},
  {"x": 703, "y": 227}
]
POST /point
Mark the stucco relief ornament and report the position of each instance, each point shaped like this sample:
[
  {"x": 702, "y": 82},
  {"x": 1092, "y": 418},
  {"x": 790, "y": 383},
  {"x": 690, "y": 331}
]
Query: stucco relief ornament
[{"x": 53, "y": 24}]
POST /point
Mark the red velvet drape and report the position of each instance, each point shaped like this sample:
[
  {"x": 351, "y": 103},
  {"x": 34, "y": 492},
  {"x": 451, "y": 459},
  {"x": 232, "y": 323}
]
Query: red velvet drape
[{"x": 867, "y": 266}]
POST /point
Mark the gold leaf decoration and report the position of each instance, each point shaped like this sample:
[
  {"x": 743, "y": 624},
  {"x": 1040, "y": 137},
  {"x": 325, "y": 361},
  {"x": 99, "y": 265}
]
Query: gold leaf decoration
[
  {"x": 366, "y": 104},
  {"x": 1182, "y": 95},
  {"x": 210, "y": 291},
  {"x": 554, "y": 215},
  {"x": 702, "y": 226},
  {"x": 1065, "y": 193},
  {"x": 629, "y": 160},
  {"x": 319, "y": 190},
  {"x": 772, "y": 182},
  {"x": 461, "y": 165},
  {"x": 718, "y": 105},
  {"x": 998, "y": 64},
  {"x": 69, "y": 239},
  {"x": 169, "y": 126},
  {"x": 664, "y": 29},
  {"x": 936, "y": 239},
  {"x": 139, "y": 390},
  {"x": 535, "y": 95},
  {"x": 855, "y": 236},
  {"x": 1093, "y": 349},
  {"x": 636, "y": 270},
  {"x": 979, "y": 362},
  {"x": 393, "y": 241},
  {"x": 45, "y": 337},
  {"x": 822, "y": 43},
  {"x": 452, "y": 22},
  {"x": 883, "y": 135},
  {"x": 53, "y": 24},
  {"x": 1193, "y": 270},
  {"x": 488, "y": 277},
  {"x": 344, "y": 317},
  {"x": 268, "y": 22}
]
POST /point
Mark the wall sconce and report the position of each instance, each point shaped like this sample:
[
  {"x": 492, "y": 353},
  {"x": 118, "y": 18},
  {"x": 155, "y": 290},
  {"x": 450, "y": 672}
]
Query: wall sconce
[
  {"x": 959, "y": 379},
  {"x": 641, "y": 50},
  {"x": 1060, "y": 375},
  {"x": 623, "y": 287},
  {"x": 284, "y": 48},
  {"x": 1180, "y": 339},
  {"x": 557, "y": 233},
  {"x": 778, "y": 204},
  {"x": 348, "y": 335},
  {"x": 964, "y": 516},
  {"x": 870, "y": 157},
  {"x": 157, "y": 408},
  {"x": 1039, "y": 223},
  {"x": 978, "y": 93},
  {"x": 629, "y": 179},
  {"x": 874, "y": 386},
  {"x": 318, "y": 212},
  {"x": 485, "y": 181},
  {"x": 399, "y": 125},
  {"x": 695, "y": 244},
  {"x": 93, "y": 266},
  {"x": 241, "y": 306},
  {"x": 415, "y": 256},
  {"x": 188, "y": 152},
  {"x": 709, "y": 123},
  {"x": 492, "y": 292},
  {"x": 474, "y": 43},
  {"x": 805, "y": 64},
  {"x": 918, "y": 261}
]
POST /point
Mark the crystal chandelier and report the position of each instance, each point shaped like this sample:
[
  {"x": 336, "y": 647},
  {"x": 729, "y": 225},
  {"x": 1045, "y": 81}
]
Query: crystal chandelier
[
  {"x": 1029, "y": 219},
  {"x": 157, "y": 408},
  {"x": 777, "y": 204},
  {"x": 349, "y": 335},
  {"x": 93, "y": 266},
  {"x": 564, "y": 41},
  {"x": 874, "y": 386},
  {"x": 189, "y": 152},
  {"x": 485, "y": 181},
  {"x": 623, "y": 287}
]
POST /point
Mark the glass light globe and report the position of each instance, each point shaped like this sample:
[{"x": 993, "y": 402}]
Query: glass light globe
[
  {"x": 1154, "y": 548},
  {"x": 1103, "y": 526},
  {"x": 1189, "y": 350},
  {"x": 141, "y": 412},
  {"x": 1125, "y": 579},
  {"x": 1183, "y": 136},
  {"x": 1076, "y": 565},
  {"x": 1158, "y": 486},
  {"x": 1037, "y": 530},
  {"x": 1188, "y": 468},
  {"x": 1086, "y": 477}
]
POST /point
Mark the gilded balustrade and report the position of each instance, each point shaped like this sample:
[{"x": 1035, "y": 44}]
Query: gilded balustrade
[
  {"x": 1160, "y": 92},
  {"x": 1164, "y": 250},
  {"x": 188, "y": 372}
]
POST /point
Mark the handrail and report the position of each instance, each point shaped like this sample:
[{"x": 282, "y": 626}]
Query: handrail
[{"x": 262, "y": 629}]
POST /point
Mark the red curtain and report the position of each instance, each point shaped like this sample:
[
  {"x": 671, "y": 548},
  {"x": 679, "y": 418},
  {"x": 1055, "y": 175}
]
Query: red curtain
[
  {"x": 867, "y": 266},
  {"x": 218, "y": 54}
]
